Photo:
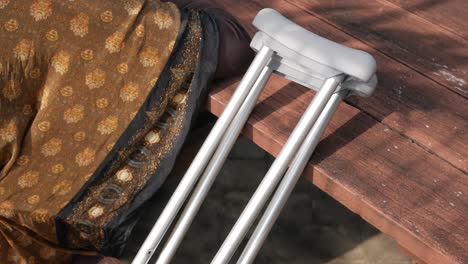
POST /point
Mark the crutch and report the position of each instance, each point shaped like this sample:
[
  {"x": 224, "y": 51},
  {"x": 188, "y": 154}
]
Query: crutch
[
  {"x": 355, "y": 74},
  {"x": 205, "y": 153},
  {"x": 290, "y": 179},
  {"x": 280, "y": 50}
]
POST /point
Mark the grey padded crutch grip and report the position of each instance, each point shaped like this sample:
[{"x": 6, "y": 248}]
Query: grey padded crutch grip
[{"x": 305, "y": 53}]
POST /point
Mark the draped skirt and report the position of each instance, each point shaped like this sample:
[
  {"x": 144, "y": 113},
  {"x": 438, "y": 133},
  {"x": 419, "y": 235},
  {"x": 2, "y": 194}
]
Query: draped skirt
[{"x": 96, "y": 100}]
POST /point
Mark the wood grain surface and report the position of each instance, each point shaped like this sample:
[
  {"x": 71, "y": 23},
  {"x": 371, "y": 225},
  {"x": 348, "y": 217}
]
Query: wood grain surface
[{"x": 398, "y": 159}]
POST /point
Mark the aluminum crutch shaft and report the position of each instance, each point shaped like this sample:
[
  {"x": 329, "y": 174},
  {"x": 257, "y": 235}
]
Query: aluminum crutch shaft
[
  {"x": 202, "y": 158},
  {"x": 277, "y": 170},
  {"x": 289, "y": 180},
  {"x": 212, "y": 170}
]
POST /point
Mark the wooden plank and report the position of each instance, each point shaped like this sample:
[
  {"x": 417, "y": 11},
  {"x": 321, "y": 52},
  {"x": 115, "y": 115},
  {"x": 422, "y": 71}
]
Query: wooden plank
[
  {"x": 431, "y": 50},
  {"x": 394, "y": 184},
  {"x": 448, "y": 14},
  {"x": 375, "y": 169},
  {"x": 406, "y": 101}
]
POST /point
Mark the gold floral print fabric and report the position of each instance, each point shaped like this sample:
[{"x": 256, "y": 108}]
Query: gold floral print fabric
[
  {"x": 145, "y": 152},
  {"x": 72, "y": 76}
]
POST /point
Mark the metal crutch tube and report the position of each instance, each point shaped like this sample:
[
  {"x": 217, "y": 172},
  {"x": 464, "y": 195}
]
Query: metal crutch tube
[
  {"x": 289, "y": 180},
  {"x": 212, "y": 170},
  {"x": 277, "y": 170},
  {"x": 202, "y": 158}
]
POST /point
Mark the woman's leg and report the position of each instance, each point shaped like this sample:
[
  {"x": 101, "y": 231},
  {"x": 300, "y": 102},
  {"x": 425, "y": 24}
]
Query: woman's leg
[{"x": 235, "y": 54}]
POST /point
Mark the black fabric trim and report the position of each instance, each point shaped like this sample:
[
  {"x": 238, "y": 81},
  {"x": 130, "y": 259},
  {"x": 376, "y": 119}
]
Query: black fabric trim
[
  {"x": 153, "y": 98},
  {"x": 119, "y": 229}
]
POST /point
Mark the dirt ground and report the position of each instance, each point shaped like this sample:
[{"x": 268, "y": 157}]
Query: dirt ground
[{"x": 313, "y": 227}]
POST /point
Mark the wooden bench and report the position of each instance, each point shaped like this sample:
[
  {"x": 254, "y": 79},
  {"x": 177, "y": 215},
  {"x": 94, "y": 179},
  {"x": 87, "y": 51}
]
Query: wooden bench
[{"x": 398, "y": 159}]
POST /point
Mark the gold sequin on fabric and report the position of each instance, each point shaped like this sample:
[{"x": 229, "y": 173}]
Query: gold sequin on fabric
[
  {"x": 23, "y": 160},
  {"x": 122, "y": 68},
  {"x": 95, "y": 212},
  {"x": 79, "y": 136},
  {"x": 52, "y": 35},
  {"x": 33, "y": 199},
  {"x": 27, "y": 109},
  {"x": 11, "y": 25},
  {"x": 124, "y": 176},
  {"x": 87, "y": 54},
  {"x": 152, "y": 138},
  {"x": 102, "y": 103},
  {"x": 35, "y": 73},
  {"x": 140, "y": 31},
  {"x": 107, "y": 16},
  {"x": 179, "y": 98},
  {"x": 66, "y": 91},
  {"x": 44, "y": 126},
  {"x": 57, "y": 168}
]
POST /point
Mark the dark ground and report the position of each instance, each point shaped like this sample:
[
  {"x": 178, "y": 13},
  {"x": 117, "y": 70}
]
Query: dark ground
[{"x": 313, "y": 227}]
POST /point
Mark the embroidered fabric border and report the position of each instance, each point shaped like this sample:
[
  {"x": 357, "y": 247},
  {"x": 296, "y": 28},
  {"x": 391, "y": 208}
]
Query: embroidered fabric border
[{"x": 86, "y": 220}]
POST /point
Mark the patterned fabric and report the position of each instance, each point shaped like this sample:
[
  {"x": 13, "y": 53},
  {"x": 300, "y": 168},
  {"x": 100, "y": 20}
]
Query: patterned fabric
[{"x": 96, "y": 98}]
